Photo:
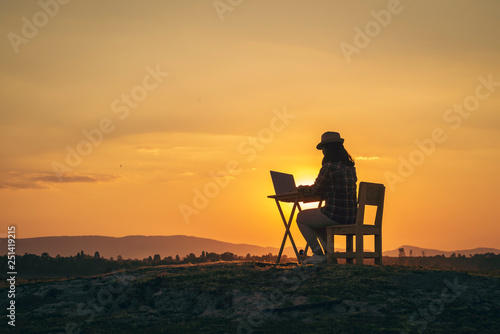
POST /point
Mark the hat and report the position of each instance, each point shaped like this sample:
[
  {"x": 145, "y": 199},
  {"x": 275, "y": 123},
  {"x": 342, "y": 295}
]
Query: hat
[{"x": 329, "y": 137}]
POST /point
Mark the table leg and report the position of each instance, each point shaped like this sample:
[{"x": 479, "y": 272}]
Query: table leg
[{"x": 287, "y": 231}]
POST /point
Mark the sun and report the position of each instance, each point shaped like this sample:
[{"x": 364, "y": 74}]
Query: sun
[{"x": 305, "y": 176}]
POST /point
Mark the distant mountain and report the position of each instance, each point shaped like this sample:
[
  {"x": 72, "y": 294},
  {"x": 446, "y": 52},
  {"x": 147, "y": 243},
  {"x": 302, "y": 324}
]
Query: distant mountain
[
  {"x": 132, "y": 246},
  {"x": 139, "y": 246},
  {"x": 417, "y": 251}
]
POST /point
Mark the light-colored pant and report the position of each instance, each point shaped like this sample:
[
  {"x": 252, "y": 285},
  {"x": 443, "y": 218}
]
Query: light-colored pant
[{"x": 311, "y": 223}]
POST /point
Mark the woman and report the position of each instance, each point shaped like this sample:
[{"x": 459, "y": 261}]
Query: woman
[{"x": 336, "y": 184}]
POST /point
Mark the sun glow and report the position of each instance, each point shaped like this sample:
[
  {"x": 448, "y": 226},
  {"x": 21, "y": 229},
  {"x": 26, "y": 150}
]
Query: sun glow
[{"x": 306, "y": 176}]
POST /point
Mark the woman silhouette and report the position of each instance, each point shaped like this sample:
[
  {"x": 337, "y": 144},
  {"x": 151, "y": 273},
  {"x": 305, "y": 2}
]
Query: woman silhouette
[{"x": 336, "y": 184}]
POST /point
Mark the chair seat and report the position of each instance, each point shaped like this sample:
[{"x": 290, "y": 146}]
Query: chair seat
[
  {"x": 351, "y": 229},
  {"x": 352, "y": 255}
]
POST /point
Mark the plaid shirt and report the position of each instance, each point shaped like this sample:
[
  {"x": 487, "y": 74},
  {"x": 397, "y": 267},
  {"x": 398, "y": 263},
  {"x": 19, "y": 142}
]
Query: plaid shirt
[{"x": 336, "y": 184}]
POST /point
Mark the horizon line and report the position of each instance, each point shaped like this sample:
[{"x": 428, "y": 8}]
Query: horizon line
[{"x": 192, "y": 236}]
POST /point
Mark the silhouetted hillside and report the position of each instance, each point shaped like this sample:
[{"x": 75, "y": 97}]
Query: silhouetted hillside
[
  {"x": 131, "y": 246},
  {"x": 248, "y": 297}
]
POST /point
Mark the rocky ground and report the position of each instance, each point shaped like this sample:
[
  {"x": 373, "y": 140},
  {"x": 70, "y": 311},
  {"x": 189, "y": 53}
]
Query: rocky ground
[{"x": 262, "y": 298}]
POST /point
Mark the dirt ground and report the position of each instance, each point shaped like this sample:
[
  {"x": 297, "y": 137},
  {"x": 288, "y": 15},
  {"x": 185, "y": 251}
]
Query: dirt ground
[{"x": 246, "y": 297}]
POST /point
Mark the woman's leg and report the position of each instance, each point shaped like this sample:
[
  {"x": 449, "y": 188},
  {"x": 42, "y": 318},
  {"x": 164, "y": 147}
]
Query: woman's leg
[{"x": 311, "y": 223}]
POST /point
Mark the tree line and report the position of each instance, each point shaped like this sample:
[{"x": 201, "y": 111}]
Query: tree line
[
  {"x": 487, "y": 261},
  {"x": 81, "y": 264}
]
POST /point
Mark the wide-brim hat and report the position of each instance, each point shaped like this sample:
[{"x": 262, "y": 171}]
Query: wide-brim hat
[{"x": 329, "y": 137}]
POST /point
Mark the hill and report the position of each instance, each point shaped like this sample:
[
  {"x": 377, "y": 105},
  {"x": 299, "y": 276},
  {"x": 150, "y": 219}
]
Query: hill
[
  {"x": 136, "y": 246},
  {"x": 262, "y": 298},
  {"x": 140, "y": 247}
]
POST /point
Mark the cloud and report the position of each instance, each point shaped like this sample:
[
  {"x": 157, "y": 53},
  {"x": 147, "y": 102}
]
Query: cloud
[
  {"x": 367, "y": 158},
  {"x": 33, "y": 180},
  {"x": 75, "y": 178},
  {"x": 148, "y": 149}
]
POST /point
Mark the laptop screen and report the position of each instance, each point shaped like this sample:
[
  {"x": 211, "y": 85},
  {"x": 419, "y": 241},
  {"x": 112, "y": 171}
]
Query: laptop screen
[{"x": 283, "y": 183}]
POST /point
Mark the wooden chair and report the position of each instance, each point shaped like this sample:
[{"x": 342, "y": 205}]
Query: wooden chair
[{"x": 368, "y": 194}]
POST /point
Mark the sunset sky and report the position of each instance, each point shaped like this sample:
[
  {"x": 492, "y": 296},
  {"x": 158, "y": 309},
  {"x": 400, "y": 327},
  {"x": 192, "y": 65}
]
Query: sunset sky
[{"x": 165, "y": 117}]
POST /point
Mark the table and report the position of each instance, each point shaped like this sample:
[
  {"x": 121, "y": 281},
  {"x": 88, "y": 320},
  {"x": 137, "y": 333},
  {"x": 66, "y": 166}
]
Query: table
[{"x": 295, "y": 198}]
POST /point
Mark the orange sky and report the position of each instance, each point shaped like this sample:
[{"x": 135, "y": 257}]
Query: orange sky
[{"x": 116, "y": 115}]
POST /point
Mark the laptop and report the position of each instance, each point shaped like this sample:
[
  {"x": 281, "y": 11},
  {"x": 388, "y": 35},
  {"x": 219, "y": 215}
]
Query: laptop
[{"x": 283, "y": 183}]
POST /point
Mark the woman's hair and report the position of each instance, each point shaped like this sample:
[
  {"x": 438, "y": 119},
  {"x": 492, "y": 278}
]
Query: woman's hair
[{"x": 335, "y": 152}]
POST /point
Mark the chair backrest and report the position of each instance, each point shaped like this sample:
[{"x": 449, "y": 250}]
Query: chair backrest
[{"x": 370, "y": 194}]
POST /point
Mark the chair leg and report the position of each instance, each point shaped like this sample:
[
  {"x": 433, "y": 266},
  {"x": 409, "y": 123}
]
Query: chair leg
[
  {"x": 378, "y": 249},
  {"x": 330, "y": 247},
  {"x": 359, "y": 248},
  {"x": 349, "y": 246}
]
